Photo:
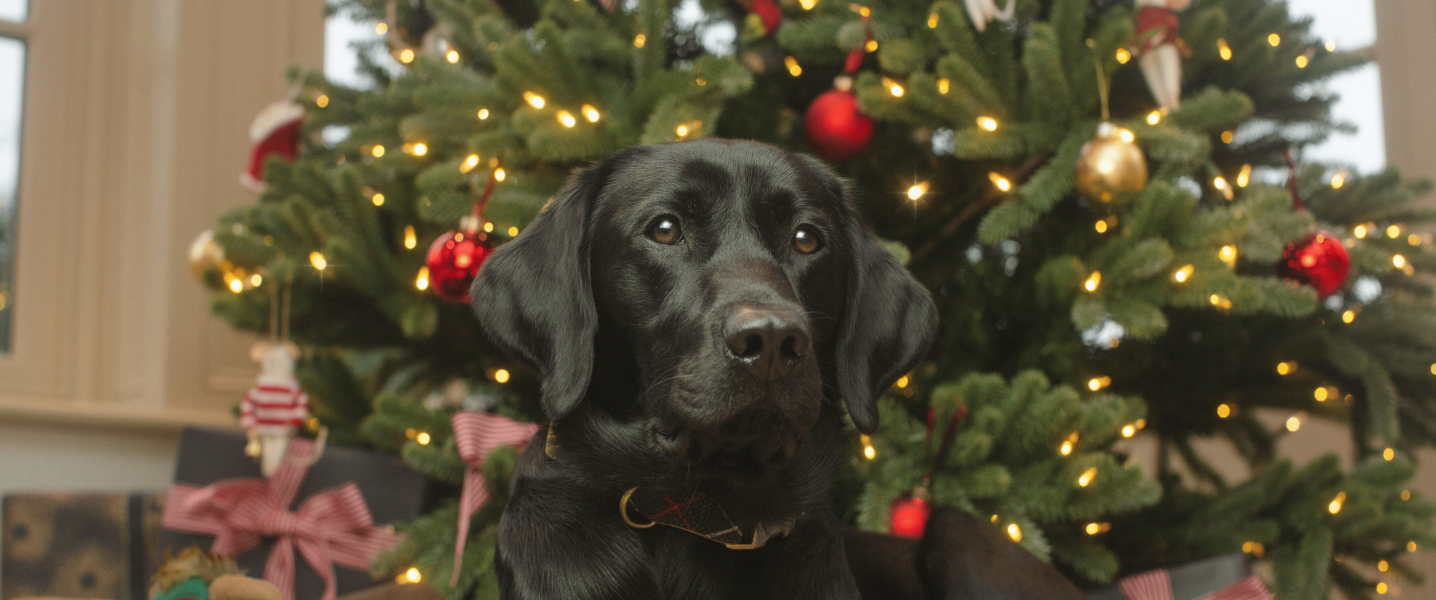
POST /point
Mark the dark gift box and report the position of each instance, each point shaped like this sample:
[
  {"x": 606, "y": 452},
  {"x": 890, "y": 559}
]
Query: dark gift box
[
  {"x": 79, "y": 545},
  {"x": 389, "y": 488}
]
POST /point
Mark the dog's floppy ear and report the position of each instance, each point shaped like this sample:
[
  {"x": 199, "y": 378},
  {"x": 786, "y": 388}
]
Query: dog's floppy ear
[
  {"x": 889, "y": 323},
  {"x": 534, "y": 298}
]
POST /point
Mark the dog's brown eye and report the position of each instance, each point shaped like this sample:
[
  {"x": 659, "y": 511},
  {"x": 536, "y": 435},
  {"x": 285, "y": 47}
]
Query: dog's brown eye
[
  {"x": 805, "y": 240},
  {"x": 666, "y": 231}
]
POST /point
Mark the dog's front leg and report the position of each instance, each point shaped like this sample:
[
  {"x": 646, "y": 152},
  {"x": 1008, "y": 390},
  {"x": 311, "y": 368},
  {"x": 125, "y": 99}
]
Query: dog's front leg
[{"x": 962, "y": 557}]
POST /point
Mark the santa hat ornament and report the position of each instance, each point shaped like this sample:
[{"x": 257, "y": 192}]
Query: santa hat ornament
[{"x": 274, "y": 132}]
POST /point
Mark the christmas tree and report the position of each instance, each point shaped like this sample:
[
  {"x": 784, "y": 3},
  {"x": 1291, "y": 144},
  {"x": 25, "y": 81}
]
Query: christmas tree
[{"x": 1077, "y": 182}]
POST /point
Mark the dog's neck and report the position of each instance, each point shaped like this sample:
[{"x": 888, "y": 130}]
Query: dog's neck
[{"x": 695, "y": 512}]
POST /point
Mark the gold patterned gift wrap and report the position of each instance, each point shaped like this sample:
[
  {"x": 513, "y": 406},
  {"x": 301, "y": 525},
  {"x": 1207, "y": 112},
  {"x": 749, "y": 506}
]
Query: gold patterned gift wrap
[{"x": 79, "y": 545}]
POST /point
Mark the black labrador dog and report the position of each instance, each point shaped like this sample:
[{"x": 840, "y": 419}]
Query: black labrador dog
[{"x": 702, "y": 315}]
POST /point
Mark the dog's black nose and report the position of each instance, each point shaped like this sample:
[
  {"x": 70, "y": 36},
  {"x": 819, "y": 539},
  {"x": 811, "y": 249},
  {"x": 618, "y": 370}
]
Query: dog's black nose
[{"x": 769, "y": 343}]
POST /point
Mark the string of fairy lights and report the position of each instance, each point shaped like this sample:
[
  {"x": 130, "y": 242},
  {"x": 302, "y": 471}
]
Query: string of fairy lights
[
  {"x": 1068, "y": 446},
  {"x": 1227, "y": 254},
  {"x": 1066, "y": 449}
]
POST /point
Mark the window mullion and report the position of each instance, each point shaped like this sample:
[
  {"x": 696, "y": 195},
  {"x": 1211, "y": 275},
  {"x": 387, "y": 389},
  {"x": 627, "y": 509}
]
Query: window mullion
[{"x": 10, "y": 29}]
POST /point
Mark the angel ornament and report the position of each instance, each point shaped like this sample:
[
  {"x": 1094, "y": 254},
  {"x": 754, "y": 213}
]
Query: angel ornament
[
  {"x": 275, "y": 408},
  {"x": 983, "y": 12},
  {"x": 1160, "y": 50}
]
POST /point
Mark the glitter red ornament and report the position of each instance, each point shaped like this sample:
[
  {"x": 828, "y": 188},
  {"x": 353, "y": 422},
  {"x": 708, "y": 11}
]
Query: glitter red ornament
[
  {"x": 454, "y": 259},
  {"x": 909, "y": 517},
  {"x": 1318, "y": 260},
  {"x": 835, "y": 127}
]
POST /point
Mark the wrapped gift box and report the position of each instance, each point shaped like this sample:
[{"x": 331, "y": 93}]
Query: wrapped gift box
[
  {"x": 80, "y": 545},
  {"x": 390, "y": 490},
  {"x": 1220, "y": 577}
]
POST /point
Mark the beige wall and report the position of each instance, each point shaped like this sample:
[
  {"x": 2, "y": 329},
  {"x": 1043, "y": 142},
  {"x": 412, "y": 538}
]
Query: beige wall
[
  {"x": 151, "y": 100},
  {"x": 1406, "y": 51},
  {"x": 136, "y": 122}
]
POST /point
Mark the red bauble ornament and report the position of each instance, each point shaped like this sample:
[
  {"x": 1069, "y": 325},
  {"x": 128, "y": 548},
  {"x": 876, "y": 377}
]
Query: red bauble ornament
[
  {"x": 909, "y": 517},
  {"x": 454, "y": 259},
  {"x": 275, "y": 131},
  {"x": 769, "y": 13},
  {"x": 835, "y": 128},
  {"x": 1318, "y": 260}
]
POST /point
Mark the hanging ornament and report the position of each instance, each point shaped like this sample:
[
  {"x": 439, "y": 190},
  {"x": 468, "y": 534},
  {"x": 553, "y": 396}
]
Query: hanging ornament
[
  {"x": 274, "y": 408},
  {"x": 1319, "y": 259},
  {"x": 454, "y": 260},
  {"x": 1160, "y": 50},
  {"x": 417, "y": 32},
  {"x": 834, "y": 126},
  {"x": 764, "y": 16},
  {"x": 204, "y": 254},
  {"x": 1111, "y": 168},
  {"x": 909, "y": 517},
  {"x": 455, "y": 257},
  {"x": 274, "y": 132},
  {"x": 983, "y": 12},
  {"x": 909, "y": 514},
  {"x": 207, "y": 258},
  {"x": 409, "y": 34}
]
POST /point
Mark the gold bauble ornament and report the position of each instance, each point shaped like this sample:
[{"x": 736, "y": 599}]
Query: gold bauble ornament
[
  {"x": 1110, "y": 168},
  {"x": 204, "y": 254},
  {"x": 206, "y": 259}
]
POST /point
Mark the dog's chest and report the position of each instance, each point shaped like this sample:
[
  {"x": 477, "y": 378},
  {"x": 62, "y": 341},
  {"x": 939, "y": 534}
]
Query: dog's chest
[{"x": 689, "y": 567}]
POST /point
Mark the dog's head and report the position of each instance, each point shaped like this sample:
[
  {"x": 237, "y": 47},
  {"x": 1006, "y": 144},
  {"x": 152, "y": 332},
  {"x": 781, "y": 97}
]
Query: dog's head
[{"x": 711, "y": 294}]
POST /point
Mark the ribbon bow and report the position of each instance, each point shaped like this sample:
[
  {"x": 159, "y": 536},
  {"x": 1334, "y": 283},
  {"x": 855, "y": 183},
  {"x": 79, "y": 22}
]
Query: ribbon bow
[
  {"x": 332, "y": 526},
  {"x": 1157, "y": 585},
  {"x": 477, "y": 434}
]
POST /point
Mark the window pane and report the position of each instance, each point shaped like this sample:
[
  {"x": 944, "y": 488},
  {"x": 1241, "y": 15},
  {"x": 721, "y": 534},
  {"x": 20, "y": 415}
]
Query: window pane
[
  {"x": 12, "y": 84},
  {"x": 14, "y": 10},
  {"x": 341, "y": 65},
  {"x": 1349, "y": 25}
]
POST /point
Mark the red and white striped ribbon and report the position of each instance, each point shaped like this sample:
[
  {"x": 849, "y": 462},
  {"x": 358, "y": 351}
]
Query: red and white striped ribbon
[
  {"x": 1250, "y": 588},
  {"x": 477, "y": 434},
  {"x": 1157, "y": 585},
  {"x": 1152, "y": 585},
  {"x": 332, "y": 526}
]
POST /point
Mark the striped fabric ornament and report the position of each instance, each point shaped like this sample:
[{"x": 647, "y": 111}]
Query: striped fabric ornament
[
  {"x": 330, "y": 527},
  {"x": 271, "y": 408},
  {"x": 477, "y": 434}
]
